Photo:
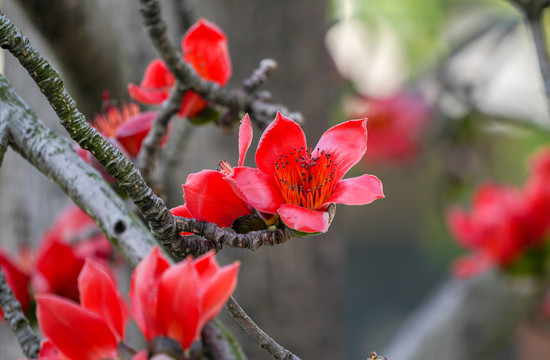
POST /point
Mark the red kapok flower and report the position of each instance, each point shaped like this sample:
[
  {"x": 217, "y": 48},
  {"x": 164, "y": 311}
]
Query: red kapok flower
[
  {"x": 495, "y": 229},
  {"x": 177, "y": 301},
  {"x": 396, "y": 125},
  {"x": 92, "y": 330},
  {"x": 125, "y": 128},
  {"x": 208, "y": 197},
  {"x": 204, "y": 47},
  {"x": 17, "y": 280},
  {"x": 299, "y": 183}
]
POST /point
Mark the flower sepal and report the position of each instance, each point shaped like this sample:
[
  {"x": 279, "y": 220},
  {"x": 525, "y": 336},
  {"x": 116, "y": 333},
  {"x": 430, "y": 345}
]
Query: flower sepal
[
  {"x": 247, "y": 223},
  {"x": 167, "y": 346},
  {"x": 207, "y": 115}
]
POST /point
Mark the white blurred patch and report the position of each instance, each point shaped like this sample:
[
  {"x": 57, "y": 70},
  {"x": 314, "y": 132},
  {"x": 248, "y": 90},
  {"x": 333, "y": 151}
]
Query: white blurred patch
[{"x": 373, "y": 61}]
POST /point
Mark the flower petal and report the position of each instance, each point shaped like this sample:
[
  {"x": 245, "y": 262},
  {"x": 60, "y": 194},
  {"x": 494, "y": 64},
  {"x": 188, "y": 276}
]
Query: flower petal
[
  {"x": 98, "y": 293},
  {"x": 210, "y": 198},
  {"x": 346, "y": 143},
  {"x": 148, "y": 96},
  {"x": 204, "y": 46},
  {"x": 206, "y": 267},
  {"x": 131, "y": 133},
  {"x": 245, "y": 138},
  {"x": 281, "y": 137},
  {"x": 302, "y": 219},
  {"x": 218, "y": 290},
  {"x": 192, "y": 104},
  {"x": 359, "y": 190},
  {"x": 48, "y": 276},
  {"x": 77, "y": 333},
  {"x": 157, "y": 76},
  {"x": 144, "y": 281},
  {"x": 256, "y": 188},
  {"x": 178, "y": 303}
]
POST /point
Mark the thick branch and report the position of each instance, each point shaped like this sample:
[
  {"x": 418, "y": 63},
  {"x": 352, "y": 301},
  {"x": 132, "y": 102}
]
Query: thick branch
[
  {"x": 4, "y": 138},
  {"x": 54, "y": 156},
  {"x": 467, "y": 319},
  {"x": 259, "y": 111},
  {"x": 19, "y": 324},
  {"x": 150, "y": 146},
  {"x": 48, "y": 80},
  {"x": 251, "y": 240}
]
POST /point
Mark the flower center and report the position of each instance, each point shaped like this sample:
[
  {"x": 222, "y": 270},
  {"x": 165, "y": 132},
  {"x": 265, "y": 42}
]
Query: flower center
[
  {"x": 225, "y": 168},
  {"x": 306, "y": 177},
  {"x": 108, "y": 122}
]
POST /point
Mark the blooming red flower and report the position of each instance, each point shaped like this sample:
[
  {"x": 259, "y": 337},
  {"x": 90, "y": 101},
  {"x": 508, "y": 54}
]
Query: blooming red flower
[
  {"x": 177, "y": 301},
  {"x": 92, "y": 330},
  {"x": 204, "y": 47},
  {"x": 208, "y": 197},
  {"x": 17, "y": 280},
  {"x": 298, "y": 183},
  {"x": 494, "y": 229},
  {"x": 125, "y": 128},
  {"x": 396, "y": 125}
]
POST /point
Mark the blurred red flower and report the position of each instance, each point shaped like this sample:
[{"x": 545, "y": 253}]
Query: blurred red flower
[
  {"x": 396, "y": 125},
  {"x": 204, "y": 47},
  {"x": 177, "y": 301},
  {"x": 91, "y": 330},
  {"x": 504, "y": 221},
  {"x": 299, "y": 184}
]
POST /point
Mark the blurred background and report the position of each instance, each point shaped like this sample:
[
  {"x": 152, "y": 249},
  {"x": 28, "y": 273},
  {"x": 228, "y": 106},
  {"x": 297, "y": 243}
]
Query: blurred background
[{"x": 454, "y": 98}]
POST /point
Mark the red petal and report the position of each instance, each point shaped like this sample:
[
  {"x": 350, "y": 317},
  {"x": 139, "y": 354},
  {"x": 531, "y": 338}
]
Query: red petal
[
  {"x": 132, "y": 132},
  {"x": 210, "y": 198},
  {"x": 346, "y": 143},
  {"x": 206, "y": 267},
  {"x": 245, "y": 138},
  {"x": 98, "y": 293},
  {"x": 192, "y": 104},
  {"x": 256, "y": 188},
  {"x": 356, "y": 191},
  {"x": 204, "y": 46},
  {"x": 148, "y": 96},
  {"x": 72, "y": 222},
  {"x": 77, "y": 333},
  {"x": 17, "y": 281},
  {"x": 182, "y": 211},
  {"x": 143, "y": 287},
  {"x": 157, "y": 76},
  {"x": 48, "y": 276},
  {"x": 281, "y": 137},
  {"x": 461, "y": 228},
  {"x": 302, "y": 219},
  {"x": 218, "y": 290},
  {"x": 178, "y": 303}
]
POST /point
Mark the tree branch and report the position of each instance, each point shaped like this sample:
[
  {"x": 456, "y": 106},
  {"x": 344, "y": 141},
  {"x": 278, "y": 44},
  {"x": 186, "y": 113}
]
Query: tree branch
[
  {"x": 251, "y": 240},
  {"x": 536, "y": 25},
  {"x": 19, "y": 324},
  {"x": 153, "y": 209},
  {"x": 149, "y": 149},
  {"x": 261, "y": 112},
  {"x": 467, "y": 319},
  {"x": 54, "y": 156},
  {"x": 265, "y": 341}
]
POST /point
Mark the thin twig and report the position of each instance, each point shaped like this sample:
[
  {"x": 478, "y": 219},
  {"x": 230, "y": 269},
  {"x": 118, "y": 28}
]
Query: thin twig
[
  {"x": 265, "y": 341},
  {"x": 211, "y": 91},
  {"x": 251, "y": 240},
  {"x": 147, "y": 157},
  {"x": 19, "y": 324}
]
